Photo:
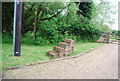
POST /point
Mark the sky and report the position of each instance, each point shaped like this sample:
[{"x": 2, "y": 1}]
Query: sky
[{"x": 115, "y": 16}]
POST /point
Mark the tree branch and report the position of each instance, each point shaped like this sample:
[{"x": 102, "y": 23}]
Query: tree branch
[
  {"x": 54, "y": 15},
  {"x": 28, "y": 15},
  {"x": 32, "y": 20}
]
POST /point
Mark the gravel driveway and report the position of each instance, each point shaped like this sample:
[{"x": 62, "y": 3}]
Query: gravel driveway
[{"x": 101, "y": 63}]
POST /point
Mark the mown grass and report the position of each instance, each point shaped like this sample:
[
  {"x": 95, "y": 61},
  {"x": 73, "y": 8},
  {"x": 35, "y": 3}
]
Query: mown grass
[
  {"x": 82, "y": 47},
  {"x": 31, "y": 53},
  {"x": 0, "y": 51}
]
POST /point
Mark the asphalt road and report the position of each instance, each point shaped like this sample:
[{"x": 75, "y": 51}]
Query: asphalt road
[{"x": 101, "y": 63}]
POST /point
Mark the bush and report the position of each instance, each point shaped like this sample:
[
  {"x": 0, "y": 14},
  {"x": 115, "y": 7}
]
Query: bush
[
  {"x": 40, "y": 41},
  {"x": 6, "y": 38},
  {"x": 27, "y": 40}
]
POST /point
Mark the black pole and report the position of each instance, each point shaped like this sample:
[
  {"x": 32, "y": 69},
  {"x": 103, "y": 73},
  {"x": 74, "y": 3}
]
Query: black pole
[{"x": 17, "y": 29}]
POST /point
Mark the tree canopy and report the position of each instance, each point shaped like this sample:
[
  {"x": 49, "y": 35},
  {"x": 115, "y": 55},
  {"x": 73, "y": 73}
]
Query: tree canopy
[{"x": 51, "y": 22}]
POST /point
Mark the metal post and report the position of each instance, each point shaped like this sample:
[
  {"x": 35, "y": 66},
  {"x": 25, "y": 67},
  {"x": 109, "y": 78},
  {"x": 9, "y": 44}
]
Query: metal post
[{"x": 17, "y": 27}]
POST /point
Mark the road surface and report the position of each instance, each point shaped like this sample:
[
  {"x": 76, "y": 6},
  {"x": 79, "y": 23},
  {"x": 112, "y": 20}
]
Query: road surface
[{"x": 101, "y": 63}]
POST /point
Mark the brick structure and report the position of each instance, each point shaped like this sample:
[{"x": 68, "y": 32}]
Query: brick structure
[
  {"x": 64, "y": 48},
  {"x": 60, "y": 50},
  {"x": 104, "y": 38},
  {"x": 71, "y": 44}
]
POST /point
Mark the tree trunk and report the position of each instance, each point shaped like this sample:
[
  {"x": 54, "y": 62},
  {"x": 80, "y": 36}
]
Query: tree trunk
[
  {"x": 35, "y": 26},
  {"x": 22, "y": 35}
]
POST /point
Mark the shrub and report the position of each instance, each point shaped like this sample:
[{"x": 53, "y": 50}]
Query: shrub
[
  {"x": 6, "y": 38},
  {"x": 40, "y": 41}
]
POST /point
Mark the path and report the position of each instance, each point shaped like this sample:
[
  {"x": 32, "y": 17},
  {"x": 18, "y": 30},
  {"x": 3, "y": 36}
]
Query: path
[{"x": 101, "y": 63}]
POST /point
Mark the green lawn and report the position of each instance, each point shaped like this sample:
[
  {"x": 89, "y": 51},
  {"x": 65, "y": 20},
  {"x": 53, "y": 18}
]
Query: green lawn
[
  {"x": 112, "y": 38},
  {"x": 82, "y": 47},
  {"x": 31, "y": 53}
]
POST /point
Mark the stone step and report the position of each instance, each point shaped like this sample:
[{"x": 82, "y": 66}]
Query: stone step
[
  {"x": 62, "y": 51},
  {"x": 53, "y": 54},
  {"x": 70, "y": 42},
  {"x": 64, "y": 48},
  {"x": 63, "y": 45}
]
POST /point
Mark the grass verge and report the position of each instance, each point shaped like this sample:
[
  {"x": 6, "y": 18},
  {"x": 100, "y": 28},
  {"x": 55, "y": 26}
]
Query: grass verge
[{"x": 31, "y": 53}]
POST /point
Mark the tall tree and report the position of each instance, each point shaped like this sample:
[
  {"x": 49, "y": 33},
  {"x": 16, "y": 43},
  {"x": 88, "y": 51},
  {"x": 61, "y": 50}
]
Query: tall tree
[
  {"x": 102, "y": 15},
  {"x": 45, "y": 12},
  {"x": 35, "y": 26},
  {"x": 85, "y": 8}
]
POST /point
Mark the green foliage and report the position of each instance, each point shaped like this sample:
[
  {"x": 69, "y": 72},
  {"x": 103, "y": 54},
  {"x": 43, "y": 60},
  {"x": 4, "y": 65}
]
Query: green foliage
[
  {"x": 40, "y": 41},
  {"x": 102, "y": 16},
  {"x": 66, "y": 24},
  {"x": 7, "y": 17},
  {"x": 6, "y": 38},
  {"x": 106, "y": 28},
  {"x": 86, "y": 8},
  {"x": 116, "y": 32}
]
